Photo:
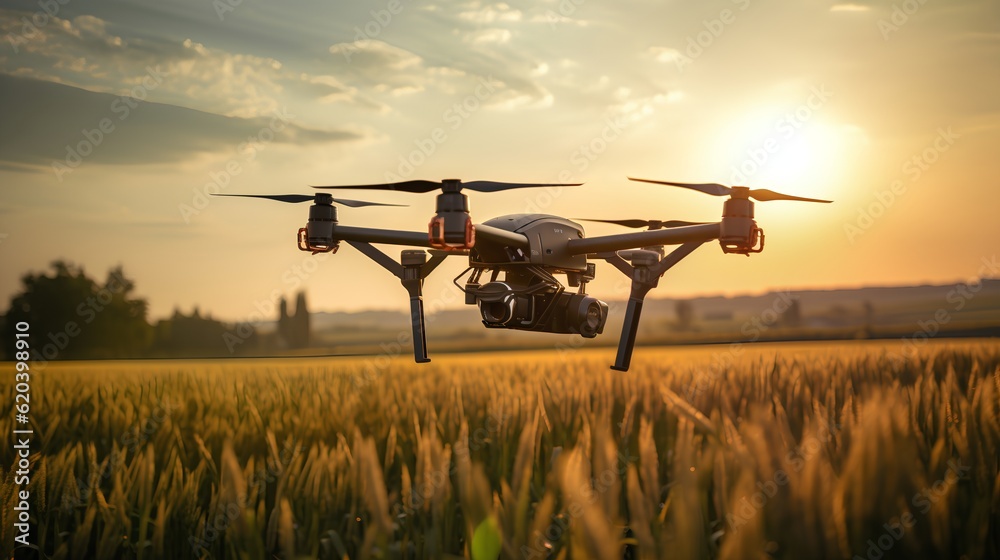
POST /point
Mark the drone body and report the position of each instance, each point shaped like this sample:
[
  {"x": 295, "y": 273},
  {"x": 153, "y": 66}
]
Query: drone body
[
  {"x": 516, "y": 261},
  {"x": 517, "y": 287}
]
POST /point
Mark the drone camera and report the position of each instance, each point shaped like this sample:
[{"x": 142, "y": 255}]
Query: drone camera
[
  {"x": 503, "y": 305},
  {"x": 584, "y": 314}
]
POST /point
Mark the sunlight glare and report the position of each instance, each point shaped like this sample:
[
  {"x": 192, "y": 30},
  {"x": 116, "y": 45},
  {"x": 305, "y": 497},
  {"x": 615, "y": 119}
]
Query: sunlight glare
[{"x": 801, "y": 157}]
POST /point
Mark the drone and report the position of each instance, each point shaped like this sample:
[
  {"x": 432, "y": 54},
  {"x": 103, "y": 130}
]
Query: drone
[{"x": 515, "y": 260}]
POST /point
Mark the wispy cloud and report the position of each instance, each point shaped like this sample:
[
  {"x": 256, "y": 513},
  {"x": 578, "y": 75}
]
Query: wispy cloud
[
  {"x": 849, "y": 8},
  {"x": 83, "y": 52}
]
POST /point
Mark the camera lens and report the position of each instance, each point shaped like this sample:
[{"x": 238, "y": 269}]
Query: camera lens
[
  {"x": 496, "y": 303},
  {"x": 495, "y": 311},
  {"x": 586, "y": 315},
  {"x": 593, "y": 319}
]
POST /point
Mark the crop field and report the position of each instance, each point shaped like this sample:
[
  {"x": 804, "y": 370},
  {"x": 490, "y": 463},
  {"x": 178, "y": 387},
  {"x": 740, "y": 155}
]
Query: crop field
[{"x": 841, "y": 450}]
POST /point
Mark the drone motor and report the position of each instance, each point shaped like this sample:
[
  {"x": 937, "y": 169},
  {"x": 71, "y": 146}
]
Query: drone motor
[
  {"x": 738, "y": 231},
  {"x": 451, "y": 228},
  {"x": 317, "y": 236}
]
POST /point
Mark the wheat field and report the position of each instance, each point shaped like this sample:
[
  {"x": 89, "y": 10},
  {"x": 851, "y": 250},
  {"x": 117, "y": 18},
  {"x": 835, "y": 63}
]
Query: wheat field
[{"x": 843, "y": 450}]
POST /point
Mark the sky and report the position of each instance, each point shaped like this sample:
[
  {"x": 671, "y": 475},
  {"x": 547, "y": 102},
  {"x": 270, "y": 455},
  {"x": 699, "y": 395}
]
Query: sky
[{"x": 119, "y": 116}]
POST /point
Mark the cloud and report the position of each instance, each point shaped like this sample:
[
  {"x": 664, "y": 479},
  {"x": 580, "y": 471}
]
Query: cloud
[
  {"x": 849, "y": 8},
  {"x": 554, "y": 19},
  {"x": 328, "y": 89},
  {"x": 493, "y": 13},
  {"x": 382, "y": 68},
  {"x": 476, "y": 39},
  {"x": 83, "y": 52},
  {"x": 489, "y": 36},
  {"x": 665, "y": 54},
  {"x": 90, "y": 53},
  {"x": 44, "y": 121},
  {"x": 372, "y": 53}
]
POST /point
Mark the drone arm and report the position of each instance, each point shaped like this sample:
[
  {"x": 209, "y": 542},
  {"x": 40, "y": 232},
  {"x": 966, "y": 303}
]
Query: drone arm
[
  {"x": 389, "y": 236},
  {"x": 676, "y": 256},
  {"x": 673, "y": 236},
  {"x": 384, "y": 260},
  {"x": 615, "y": 259},
  {"x": 420, "y": 238},
  {"x": 433, "y": 263}
]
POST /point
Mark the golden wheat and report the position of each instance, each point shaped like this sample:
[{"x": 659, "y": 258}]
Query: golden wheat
[{"x": 769, "y": 451}]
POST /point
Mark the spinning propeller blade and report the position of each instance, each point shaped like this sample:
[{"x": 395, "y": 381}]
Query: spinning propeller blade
[
  {"x": 404, "y": 186},
  {"x": 651, "y": 224},
  {"x": 296, "y": 198},
  {"x": 765, "y": 195},
  {"x": 496, "y": 186},
  {"x": 715, "y": 189},
  {"x": 421, "y": 186}
]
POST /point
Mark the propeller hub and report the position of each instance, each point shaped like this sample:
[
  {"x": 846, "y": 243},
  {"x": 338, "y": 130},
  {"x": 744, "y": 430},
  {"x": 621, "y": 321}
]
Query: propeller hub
[
  {"x": 740, "y": 193},
  {"x": 325, "y": 199}
]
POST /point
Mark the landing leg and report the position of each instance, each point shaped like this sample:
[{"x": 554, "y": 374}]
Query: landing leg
[
  {"x": 413, "y": 282},
  {"x": 627, "y": 341},
  {"x": 645, "y": 271},
  {"x": 411, "y": 271}
]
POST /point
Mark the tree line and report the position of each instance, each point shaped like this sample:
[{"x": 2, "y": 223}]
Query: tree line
[{"x": 73, "y": 316}]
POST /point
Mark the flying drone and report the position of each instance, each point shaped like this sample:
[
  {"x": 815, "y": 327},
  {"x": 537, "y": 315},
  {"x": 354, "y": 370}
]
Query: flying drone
[{"x": 515, "y": 260}]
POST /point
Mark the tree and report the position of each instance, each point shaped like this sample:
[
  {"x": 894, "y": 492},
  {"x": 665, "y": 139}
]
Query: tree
[
  {"x": 72, "y": 316},
  {"x": 192, "y": 335}
]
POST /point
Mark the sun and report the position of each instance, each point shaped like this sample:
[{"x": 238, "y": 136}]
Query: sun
[{"x": 796, "y": 153}]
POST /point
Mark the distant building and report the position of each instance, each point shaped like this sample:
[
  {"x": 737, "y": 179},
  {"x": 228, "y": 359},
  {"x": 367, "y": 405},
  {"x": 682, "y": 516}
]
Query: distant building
[
  {"x": 293, "y": 329},
  {"x": 684, "y": 311}
]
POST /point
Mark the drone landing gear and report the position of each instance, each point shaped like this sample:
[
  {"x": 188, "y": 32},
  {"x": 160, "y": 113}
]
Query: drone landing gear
[
  {"x": 411, "y": 271},
  {"x": 645, "y": 271}
]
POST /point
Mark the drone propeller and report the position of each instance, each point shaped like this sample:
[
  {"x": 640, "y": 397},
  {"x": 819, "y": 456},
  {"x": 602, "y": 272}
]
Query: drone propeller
[
  {"x": 650, "y": 224},
  {"x": 421, "y": 186},
  {"x": 716, "y": 189},
  {"x": 296, "y": 198},
  {"x": 451, "y": 228}
]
